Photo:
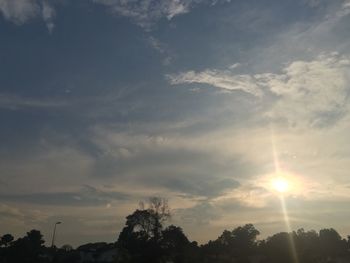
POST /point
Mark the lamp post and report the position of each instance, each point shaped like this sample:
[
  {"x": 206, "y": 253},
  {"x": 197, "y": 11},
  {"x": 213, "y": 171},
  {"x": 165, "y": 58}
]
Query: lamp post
[{"x": 54, "y": 234}]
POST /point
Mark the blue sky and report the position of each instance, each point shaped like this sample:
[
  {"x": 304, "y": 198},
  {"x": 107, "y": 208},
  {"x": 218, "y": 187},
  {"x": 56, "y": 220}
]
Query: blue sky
[{"x": 104, "y": 103}]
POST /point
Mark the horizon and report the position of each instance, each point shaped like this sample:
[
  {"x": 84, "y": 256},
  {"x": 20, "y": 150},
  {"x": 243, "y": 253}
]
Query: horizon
[
  {"x": 234, "y": 111},
  {"x": 259, "y": 237}
]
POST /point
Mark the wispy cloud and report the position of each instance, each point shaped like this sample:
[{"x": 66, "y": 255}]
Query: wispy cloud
[
  {"x": 146, "y": 12},
  {"x": 225, "y": 80},
  {"x": 18, "y": 216},
  {"x": 161, "y": 48},
  {"x": 310, "y": 92},
  {"x": 21, "y": 11},
  {"x": 15, "y": 102},
  {"x": 345, "y": 10},
  {"x": 48, "y": 14},
  {"x": 163, "y": 163},
  {"x": 87, "y": 196}
]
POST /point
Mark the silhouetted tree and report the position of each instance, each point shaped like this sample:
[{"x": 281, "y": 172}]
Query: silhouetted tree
[
  {"x": 307, "y": 246},
  {"x": 213, "y": 251},
  {"x": 159, "y": 210},
  {"x": 277, "y": 248},
  {"x": 174, "y": 237},
  {"x": 6, "y": 240},
  {"x": 28, "y": 249},
  {"x": 141, "y": 235},
  {"x": 238, "y": 244},
  {"x": 144, "y": 240},
  {"x": 331, "y": 243},
  {"x": 177, "y": 248}
]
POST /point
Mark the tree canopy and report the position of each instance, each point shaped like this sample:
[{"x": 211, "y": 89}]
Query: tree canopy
[{"x": 147, "y": 237}]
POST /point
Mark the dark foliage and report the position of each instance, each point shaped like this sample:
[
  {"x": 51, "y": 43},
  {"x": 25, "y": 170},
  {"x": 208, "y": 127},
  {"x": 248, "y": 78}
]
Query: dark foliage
[{"x": 144, "y": 239}]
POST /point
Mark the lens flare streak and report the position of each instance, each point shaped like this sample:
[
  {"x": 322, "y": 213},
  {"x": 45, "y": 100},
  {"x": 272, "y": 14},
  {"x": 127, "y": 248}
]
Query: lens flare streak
[
  {"x": 289, "y": 230},
  {"x": 281, "y": 186}
]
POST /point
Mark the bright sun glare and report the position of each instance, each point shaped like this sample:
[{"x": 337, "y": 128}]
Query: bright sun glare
[{"x": 280, "y": 184}]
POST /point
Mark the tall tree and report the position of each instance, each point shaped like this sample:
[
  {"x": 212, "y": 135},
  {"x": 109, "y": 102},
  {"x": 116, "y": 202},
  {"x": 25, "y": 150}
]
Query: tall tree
[{"x": 141, "y": 235}]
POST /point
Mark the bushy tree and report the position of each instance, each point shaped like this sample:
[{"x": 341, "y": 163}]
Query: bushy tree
[
  {"x": 28, "y": 249},
  {"x": 239, "y": 244},
  {"x": 278, "y": 248},
  {"x": 176, "y": 246},
  {"x": 331, "y": 243},
  {"x": 141, "y": 235}
]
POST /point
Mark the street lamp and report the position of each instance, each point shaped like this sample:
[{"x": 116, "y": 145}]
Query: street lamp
[{"x": 54, "y": 234}]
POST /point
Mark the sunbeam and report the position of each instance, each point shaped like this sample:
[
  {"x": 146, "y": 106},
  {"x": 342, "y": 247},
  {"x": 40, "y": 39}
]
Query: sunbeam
[
  {"x": 281, "y": 185},
  {"x": 289, "y": 230}
]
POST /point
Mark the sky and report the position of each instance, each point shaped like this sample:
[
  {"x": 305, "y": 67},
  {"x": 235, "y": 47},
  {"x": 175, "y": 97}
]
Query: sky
[{"x": 104, "y": 103}]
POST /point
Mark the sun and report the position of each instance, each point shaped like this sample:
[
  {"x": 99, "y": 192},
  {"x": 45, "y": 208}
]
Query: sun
[
  {"x": 280, "y": 184},
  {"x": 284, "y": 183}
]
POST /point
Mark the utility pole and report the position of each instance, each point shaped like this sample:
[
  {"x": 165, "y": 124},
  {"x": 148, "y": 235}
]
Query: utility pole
[{"x": 54, "y": 234}]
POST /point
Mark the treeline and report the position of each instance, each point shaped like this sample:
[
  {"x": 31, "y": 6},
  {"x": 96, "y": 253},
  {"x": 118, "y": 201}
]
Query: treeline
[{"x": 145, "y": 239}]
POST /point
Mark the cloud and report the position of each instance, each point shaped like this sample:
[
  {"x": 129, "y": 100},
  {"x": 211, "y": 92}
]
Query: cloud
[
  {"x": 139, "y": 163},
  {"x": 203, "y": 187},
  {"x": 9, "y": 212},
  {"x": 345, "y": 10},
  {"x": 161, "y": 48},
  {"x": 200, "y": 214},
  {"x": 314, "y": 92},
  {"x": 15, "y": 102},
  {"x": 87, "y": 196},
  {"x": 21, "y": 11},
  {"x": 48, "y": 14},
  {"x": 221, "y": 79},
  {"x": 147, "y": 12},
  {"x": 144, "y": 13},
  {"x": 55, "y": 167},
  {"x": 182, "y": 165},
  {"x": 306, "y": 92},
  {"x": 11, "y": 215}
]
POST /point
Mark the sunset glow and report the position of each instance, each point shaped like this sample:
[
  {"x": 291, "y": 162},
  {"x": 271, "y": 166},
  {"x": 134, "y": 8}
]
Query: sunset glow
[{"x": 234, "y": 112}]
